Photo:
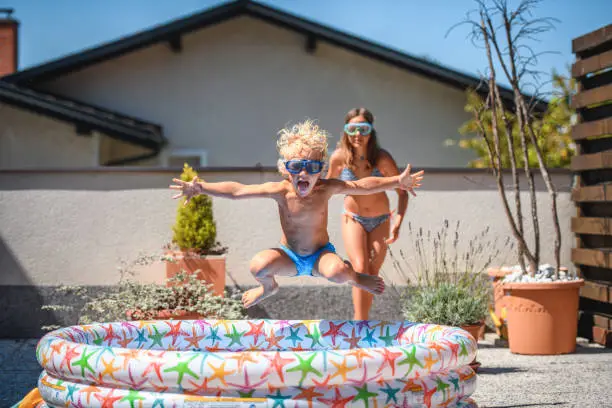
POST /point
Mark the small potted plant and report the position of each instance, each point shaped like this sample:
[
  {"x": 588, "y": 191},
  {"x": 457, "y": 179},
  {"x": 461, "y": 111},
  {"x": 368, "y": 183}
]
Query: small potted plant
[
  {"x": 194, "y": 248},
  {"x": 185, "y": 297},
  {"x": 460, "y": 304}
]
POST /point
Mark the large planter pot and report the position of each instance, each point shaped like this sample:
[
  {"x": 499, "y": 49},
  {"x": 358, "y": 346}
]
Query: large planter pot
[
  {"x": 210, "y": 268},
  {"x": 474, "y": 330},
  {"x": 497, "y": 275},
  {"x": 542, "y": 318},
  {"x": 166, "y": 315}
]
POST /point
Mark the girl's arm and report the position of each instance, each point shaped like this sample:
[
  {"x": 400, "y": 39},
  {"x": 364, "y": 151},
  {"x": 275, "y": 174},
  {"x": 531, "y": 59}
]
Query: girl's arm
[
  {"x": 372, "y": 185},
  {"x": 335, "y": 165},
  {"x": 387, "y": 166}
]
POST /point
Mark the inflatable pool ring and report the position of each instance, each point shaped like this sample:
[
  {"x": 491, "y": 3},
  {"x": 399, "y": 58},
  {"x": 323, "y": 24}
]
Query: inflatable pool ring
[{"x": 257, "y": 363}]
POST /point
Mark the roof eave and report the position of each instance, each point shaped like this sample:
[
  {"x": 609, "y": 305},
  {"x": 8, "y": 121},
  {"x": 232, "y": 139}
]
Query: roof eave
[{"x": 151, "y": 140}]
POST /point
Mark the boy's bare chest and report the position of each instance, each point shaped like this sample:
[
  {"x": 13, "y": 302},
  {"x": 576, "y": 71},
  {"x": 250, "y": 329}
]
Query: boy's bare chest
[{"x": 298, "y": 207}]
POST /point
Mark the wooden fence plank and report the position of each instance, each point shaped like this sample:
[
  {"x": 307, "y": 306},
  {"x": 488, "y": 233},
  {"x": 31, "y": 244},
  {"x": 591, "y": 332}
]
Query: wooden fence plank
[
  {"x": 602, "y": 336},
  {"x": 596, "y": 291},
  {"x": 593, "y": 161},
  {"x": 592, "y": 194},
  {"x": 593, "y": 96},
  {"x": 591, "y": 257},
  {"x": 592, "y": 39},
  {"x": 592, "y": 64},
  {"x": 602, "y": 320},
  {"x": 591, "y": 225},
  {"x": 592, "y": 129}
]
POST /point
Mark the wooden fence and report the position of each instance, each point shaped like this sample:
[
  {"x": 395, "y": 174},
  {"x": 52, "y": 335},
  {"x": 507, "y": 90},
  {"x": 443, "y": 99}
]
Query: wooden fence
[{"x": 592, "y": 194}]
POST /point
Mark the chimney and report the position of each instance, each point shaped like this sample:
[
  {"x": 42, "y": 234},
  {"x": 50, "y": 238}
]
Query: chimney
[{"x": 8, "y": 42}]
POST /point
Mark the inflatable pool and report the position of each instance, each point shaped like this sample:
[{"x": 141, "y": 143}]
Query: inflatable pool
[{"x": 257, "y": 363}]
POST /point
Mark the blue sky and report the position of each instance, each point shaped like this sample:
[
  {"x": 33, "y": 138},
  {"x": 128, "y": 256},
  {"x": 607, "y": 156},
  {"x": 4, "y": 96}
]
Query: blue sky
[{"x": 50, "y": 29}]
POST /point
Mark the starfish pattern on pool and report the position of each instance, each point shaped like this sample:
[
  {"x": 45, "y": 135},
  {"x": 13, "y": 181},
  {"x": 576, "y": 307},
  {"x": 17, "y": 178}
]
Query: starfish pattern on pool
[{"x": 262, "y": 362}]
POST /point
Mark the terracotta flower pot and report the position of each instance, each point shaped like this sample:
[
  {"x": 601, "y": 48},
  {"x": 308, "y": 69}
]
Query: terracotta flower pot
[
  {"x": 211, "y": 268},
  {"x": 474, "y": 330},
  {"x": 166, "y": 315},
  {"x": 496, "y": 275},
  {"x": 542, "y": 317}
]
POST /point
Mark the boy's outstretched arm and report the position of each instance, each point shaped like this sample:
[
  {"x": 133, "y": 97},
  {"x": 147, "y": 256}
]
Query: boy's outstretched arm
[
  {"x": 225, "y": 189},
  {"x": 372, "y": 185}
]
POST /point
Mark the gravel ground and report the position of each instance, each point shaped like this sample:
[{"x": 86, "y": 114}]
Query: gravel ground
[
  {"x": 505, "y": 380},
  {"x": 582, "y": 379}
]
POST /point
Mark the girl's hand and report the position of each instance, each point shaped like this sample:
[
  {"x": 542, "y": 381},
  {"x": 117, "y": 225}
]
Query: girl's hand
[
  {"x": 189, "y": 189},
  {"x": 394, "y": 229},
  {"x": 394, "y": 233},
  {"x": 409, "y": 181}
]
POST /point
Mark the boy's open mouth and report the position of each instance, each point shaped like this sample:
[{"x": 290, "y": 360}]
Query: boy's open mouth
[{"x": 302, "y": 186}]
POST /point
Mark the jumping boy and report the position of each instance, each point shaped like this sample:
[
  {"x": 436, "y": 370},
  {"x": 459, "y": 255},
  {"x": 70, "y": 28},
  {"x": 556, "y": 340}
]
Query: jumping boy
[{"x": 302, "y": 199}]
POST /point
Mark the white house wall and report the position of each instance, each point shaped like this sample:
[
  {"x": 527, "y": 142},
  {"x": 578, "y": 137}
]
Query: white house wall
[
  {"x": 29, "y": 140},
  {"x": 235, "y": 84}
]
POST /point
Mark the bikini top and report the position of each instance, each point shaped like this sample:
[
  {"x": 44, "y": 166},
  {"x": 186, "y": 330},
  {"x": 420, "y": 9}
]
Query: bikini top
[{"x": 348, "y": 175}]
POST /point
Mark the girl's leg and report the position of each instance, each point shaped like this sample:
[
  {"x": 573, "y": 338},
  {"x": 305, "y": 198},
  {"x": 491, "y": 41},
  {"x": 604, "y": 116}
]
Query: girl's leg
[
  {"x": 377, "y": 250},
  {"x": 356, "y": 246},
  {"x": 334, "y": 269},
  {"x": 264, "y": 266}
]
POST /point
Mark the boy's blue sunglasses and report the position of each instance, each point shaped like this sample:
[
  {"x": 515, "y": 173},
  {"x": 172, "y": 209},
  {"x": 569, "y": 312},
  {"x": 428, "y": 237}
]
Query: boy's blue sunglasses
[
  {"x": 311, "y": 166},
  {"x": 363, "y": 128}
]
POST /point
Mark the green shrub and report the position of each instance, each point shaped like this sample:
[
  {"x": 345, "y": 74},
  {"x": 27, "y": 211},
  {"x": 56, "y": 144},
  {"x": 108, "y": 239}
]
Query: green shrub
[
  {"x": 131, "y": 300},
  {"x": 195, "y": 229}
]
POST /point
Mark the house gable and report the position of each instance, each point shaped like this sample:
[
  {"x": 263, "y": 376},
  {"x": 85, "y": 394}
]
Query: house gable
[
  {"x": 173, "y": 32},
  {"x": 236, "y": 84}
]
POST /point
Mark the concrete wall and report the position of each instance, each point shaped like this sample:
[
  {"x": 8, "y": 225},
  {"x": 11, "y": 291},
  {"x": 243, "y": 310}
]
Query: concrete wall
[
  {"x": 237, "y": 83},
  {"x": 67, "y": 227}
]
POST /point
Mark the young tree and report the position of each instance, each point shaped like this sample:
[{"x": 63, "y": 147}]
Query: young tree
[
  {"x": 195, "y": 228},
  {"x": 504, "y": 34}
]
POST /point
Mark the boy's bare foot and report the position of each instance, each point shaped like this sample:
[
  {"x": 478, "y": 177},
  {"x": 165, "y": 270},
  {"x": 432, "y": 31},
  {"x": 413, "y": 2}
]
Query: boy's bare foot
[
  {"x": 253, "y": 296},
  {"x": 370, "y": 283}
]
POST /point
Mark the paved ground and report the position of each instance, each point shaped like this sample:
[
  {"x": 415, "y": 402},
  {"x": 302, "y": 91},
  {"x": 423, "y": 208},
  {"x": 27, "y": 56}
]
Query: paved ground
[
  {"x": 582, "y": 379},
  {"x": 505, "y": 380},
  {"x": 19, "y": 370}
]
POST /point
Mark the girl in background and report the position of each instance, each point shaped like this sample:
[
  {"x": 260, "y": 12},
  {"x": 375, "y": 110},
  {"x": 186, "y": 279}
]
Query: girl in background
[{"x": 367, "y": 222}]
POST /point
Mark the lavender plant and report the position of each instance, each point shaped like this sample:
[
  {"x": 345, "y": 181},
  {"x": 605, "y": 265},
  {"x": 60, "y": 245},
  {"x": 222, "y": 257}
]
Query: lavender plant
[{"x": 446, "y": 281}]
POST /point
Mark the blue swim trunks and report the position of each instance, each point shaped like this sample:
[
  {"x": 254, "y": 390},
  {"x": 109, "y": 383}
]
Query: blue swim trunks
[{"x": 305, "y": 263}]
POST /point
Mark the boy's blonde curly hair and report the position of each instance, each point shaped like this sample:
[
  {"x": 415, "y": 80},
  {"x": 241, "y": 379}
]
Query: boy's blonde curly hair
[{"x": 306, "y": 135}]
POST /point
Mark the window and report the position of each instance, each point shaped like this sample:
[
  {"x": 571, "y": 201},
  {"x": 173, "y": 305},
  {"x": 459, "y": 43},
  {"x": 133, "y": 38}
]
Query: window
[{"x": 193, "y": 157}]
